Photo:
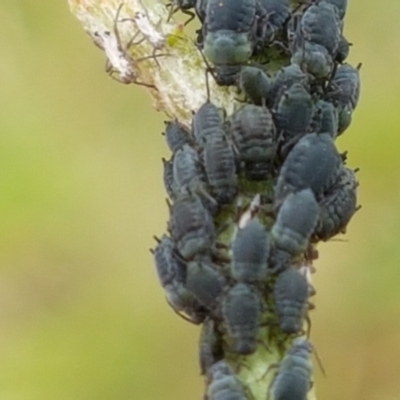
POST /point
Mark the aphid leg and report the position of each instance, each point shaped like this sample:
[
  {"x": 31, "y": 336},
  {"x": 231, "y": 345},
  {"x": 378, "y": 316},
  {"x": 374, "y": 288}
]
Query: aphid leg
[
  {"x": 188, "y": 319},
  {"x": 191, "y": 15},
  {"x": 172, "y": 10}
]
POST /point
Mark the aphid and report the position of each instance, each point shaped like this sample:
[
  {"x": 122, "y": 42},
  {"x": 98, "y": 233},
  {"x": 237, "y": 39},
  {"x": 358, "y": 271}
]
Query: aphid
[
  {"x": 205, "y": 283},
  {"x": 255, "y": 83},
  {"x": 284, "y": 79},
  {"x": 337, "y": 206},
  {"x": 210, "y": 348},
  {"x": 169, "y": 267},
  {"x": 250, "y": 251},
  {"x": 241, "y": 310},
  {"x": 312, "y": 163},
  {"x": 254, "y": 136},
  {"x": 293, "y": 380},
  {"x": 228, "y": 33},
  {"x": 295, "y": 222},
  {"x": 291, "y": 295},
  {"x": 205, "y": 121},
  {"x": 294, "y": 113},
  {"x": 344, "y": 89},
  {"x": 169, "y": 182},
  {"x": 313, "y": 58},
  {"x": 320, "y": 25},
  {"x": 171, "y": 272},
  {"x": 220, "y": 167},
  {"x": 278, "y": 11},
  {"x": 326, "y": 118},
  {"x": 176, "y": 135},
  {"x": 187, "y": 169},
  {"x": 341, "y": 6},
  {"x": 223, "y": 383},
  {"x": 191, "y": 226}
]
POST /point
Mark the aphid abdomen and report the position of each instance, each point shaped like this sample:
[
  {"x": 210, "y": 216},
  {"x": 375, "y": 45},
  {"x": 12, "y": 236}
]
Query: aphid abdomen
[
  {"x": 313, "y": 163},
  {"x": 205, "y": 120},
  {"x": 294, "y": 112},
  {"x": 176, "y": 135},
  {"x": 187, "y": 169},
  {"x": 291, "y": 295},
  {"x": 205, "y": 282},
  {"x": 320, "y": 24},
  {"x": 338, "y": 206},
  {"x": 224, "y": 385},
  {"x": 293, "y": 380},
  {"x": 231, "y": 15},
  {"x": 254, "y": 135},
  {"x": 220, "y": 167},
  {"x": 241, "y": 309},
  {"x": 250, "y": 251},
  {"x": 293, "y": 228},
  {"x": 191, "y": 226}
]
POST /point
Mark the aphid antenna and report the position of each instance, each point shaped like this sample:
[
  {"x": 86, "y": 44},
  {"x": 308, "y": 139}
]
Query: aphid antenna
[
  {"x": 319, "y": 361},
  {"x": 209, "y": 70}
]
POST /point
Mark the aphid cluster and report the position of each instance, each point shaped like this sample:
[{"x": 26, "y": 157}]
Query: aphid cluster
[{"x": 252, "y": 193}]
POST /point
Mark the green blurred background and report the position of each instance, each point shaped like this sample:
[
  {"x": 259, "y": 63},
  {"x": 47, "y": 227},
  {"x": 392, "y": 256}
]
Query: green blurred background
[{"x": 81, "y": 313}]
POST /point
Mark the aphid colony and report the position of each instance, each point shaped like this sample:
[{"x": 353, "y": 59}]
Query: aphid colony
[{"x": 251, "y": 194}]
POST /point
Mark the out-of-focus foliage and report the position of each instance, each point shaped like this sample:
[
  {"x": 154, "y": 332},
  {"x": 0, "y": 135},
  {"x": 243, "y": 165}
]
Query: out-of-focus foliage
[{"x": 81, "y": 313}]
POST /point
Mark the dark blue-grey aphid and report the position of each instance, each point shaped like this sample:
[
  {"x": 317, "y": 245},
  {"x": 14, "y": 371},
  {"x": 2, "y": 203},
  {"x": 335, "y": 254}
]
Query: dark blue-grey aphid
[
  {"x": 205, "y": 282},
  {"x": 293, "y": 380},
  {"x": 296, "y": 220},
  {"x": 326, "y": 118},
  {"x": 254, "y": 136},
  {"x": 313, "y": 58},
  {"x": 189, "y": 175},
  {"x": 294, "y": 113},
  {"x": 250, "y": 251},
  {"x": 191, "y": 226},
  {"x": 313, "y": 163},
  {"x": 229, "y": 36},
  {"x": 291, "y": 295},
  {"x": 210, "y": 347},
  {"x": 176, "y": 135},
  {"x": 207, "y": 118},
  {"x": 171, "y": 272},
  {"x": 284, "y": 79},
  {"x": 337, "y": 206},
  {"x": 220, "y": 167},
  {"x": 241, "y": 310},
  {"x": 321, "y": 25},
  {"x": 344, "y": 89},
  {"x": 223, "y": 383},
  {"x": 255, "y": 84}
]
